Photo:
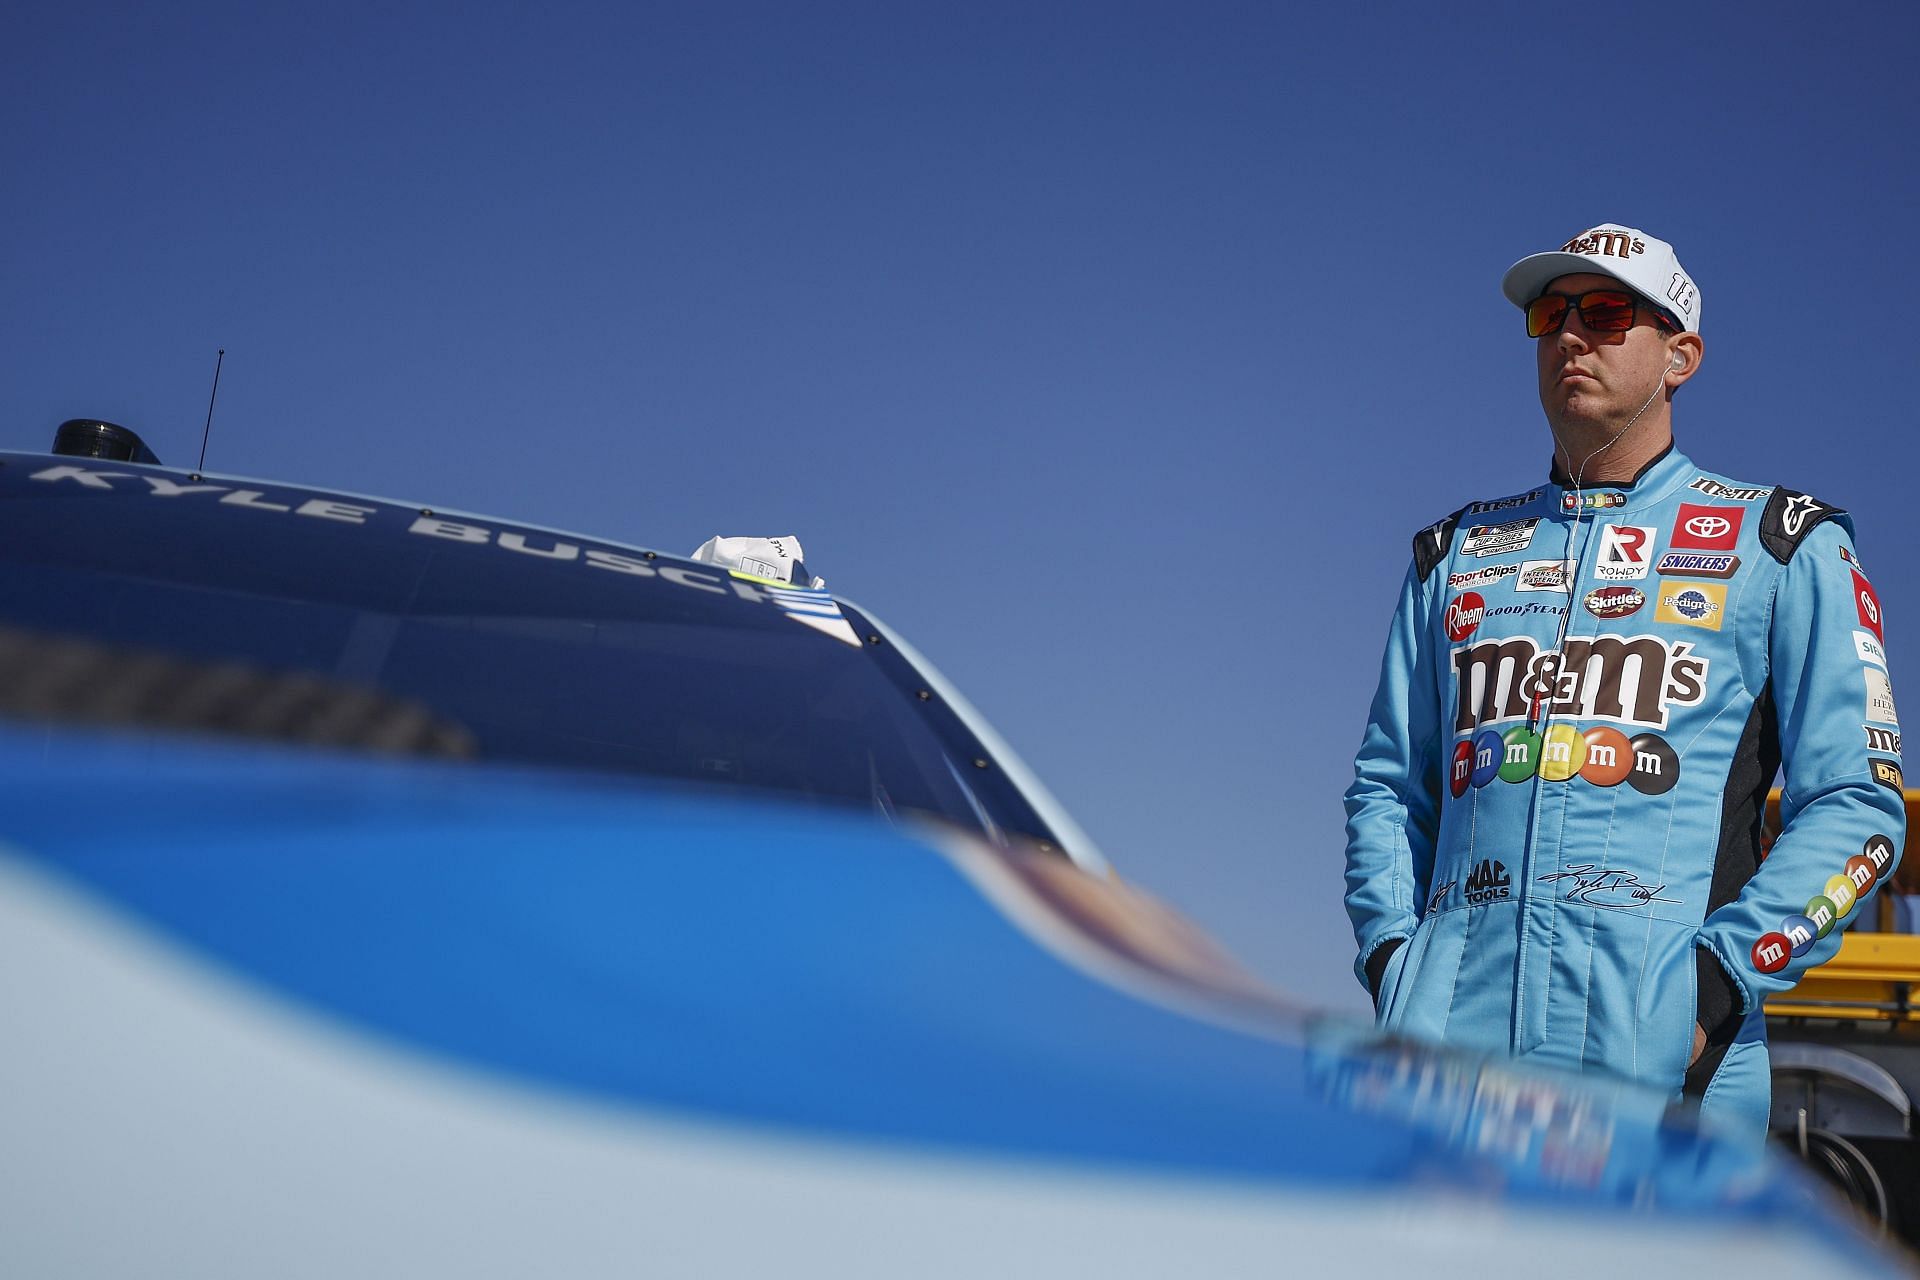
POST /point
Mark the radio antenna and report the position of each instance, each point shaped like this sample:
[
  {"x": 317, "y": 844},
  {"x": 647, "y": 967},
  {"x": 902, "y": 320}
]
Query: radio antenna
[{"x": 217, "y": 362}]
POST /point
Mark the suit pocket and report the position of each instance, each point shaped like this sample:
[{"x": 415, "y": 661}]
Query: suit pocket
[{"x": 1398, "y": 976}]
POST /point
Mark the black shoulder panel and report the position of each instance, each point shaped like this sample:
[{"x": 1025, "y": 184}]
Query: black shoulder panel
[
  {"x": 1790, "y": 516},
  {"x": 1431, "y": 544}
]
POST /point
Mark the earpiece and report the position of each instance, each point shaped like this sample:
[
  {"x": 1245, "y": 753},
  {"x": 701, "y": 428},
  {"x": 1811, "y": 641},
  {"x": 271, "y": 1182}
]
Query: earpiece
[{"x": 1678, "y": 362}]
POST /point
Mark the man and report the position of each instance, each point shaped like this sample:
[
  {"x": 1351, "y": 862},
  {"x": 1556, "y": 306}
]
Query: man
[{"x": 1553, "y": 835}]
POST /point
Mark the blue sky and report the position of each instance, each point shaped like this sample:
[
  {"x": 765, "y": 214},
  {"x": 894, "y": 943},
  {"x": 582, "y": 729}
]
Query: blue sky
[{"x": 1112, "y": 352}]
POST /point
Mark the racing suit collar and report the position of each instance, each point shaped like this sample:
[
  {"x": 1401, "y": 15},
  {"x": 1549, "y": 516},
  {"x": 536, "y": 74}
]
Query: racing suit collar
[{"x": 1658, "y": 478}]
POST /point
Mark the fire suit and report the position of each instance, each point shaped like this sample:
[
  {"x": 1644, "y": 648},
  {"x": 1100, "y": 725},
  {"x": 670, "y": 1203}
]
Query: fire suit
[{"x": 1553, "y": 833}]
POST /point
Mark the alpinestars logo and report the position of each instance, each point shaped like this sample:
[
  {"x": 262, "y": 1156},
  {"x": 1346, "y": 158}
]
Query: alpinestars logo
[
  {"x": 1488, "y": 882},
  {"x": 1798, "y": 508},
  {"x": 1629, "y": 679}
]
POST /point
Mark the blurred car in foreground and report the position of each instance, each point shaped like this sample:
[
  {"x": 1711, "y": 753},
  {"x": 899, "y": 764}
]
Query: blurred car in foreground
[{"x": 385, "y": 890}]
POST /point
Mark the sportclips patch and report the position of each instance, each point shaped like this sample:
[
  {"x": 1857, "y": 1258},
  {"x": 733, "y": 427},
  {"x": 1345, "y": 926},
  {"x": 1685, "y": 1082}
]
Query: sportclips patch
[{"x": 1629, "y": 679}]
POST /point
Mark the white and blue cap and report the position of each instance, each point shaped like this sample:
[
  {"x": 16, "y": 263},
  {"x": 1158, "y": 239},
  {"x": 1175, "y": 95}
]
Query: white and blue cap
[{"x": 1631, "y": 256}]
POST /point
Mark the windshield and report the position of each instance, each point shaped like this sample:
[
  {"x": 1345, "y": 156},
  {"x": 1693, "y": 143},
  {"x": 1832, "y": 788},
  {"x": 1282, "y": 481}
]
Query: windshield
[{"x": 515, "y": 645}]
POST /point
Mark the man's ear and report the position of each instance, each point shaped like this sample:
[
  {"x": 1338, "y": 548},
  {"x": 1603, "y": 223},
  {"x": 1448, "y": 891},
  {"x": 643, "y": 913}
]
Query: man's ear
[{"x": 1685, "y": 353}]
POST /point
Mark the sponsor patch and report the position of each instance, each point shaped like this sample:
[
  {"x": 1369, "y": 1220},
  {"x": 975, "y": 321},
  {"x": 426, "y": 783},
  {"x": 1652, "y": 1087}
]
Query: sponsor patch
[
  {"x": 1887, "y": 740},
  {"x": 1486, "y": 577},
  {"x": 1544, "y": 575},
  {"x": 1609, "y": 757},
  {"x": 1464, "y": 613},
  {"x": 1462, "y": 771},
  {"x": 1698, "y": 564},
  {"x": 1707, "y": 528},
  {"x": 1801, "y": 932},
  {"x": 1731, "y": 493},
  {"x": 1562, "y": 752},
  {"x": 1504, "y": 504},
  {"x": 1520, "y": 754},
  {"x": 1869, "y": 649},
  {"x": 1626, "y": 552},
  {"x": 1614, "y": 602},
  {"x": 1861, "y": 871},
  {"x": 1880, "y": 697},
  {"x": 1488, "y": 882},
  {"x": 1525, "y": 608},
  {"x": 1887, "y": 774},
  {"x": 1771, "y": 952},
  {"x": 1431, "y": 543},
  {"x": 1606, "y": 758},
  {"x": 1592, "y": 501},
  {"x": 1788, "y": 518},
  {"x": 1852, "y": 557},
  {"x": 1868, "y": 605},
  {"x": 1489, "y": 753},
  {"x": 1793, "y": 516},
  {"x": 1695, "y": 604},
  {"x": 1656, "y": 766},
  {"x": 1627, "y": 679},
  {"x": 1823, "y": 913},
  {"x": 1498, "y": 539},
  {"x": 1839, "y": 891}
]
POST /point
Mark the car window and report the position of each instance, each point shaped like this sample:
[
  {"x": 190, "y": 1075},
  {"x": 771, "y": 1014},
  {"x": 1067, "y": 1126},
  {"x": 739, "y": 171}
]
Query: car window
[{"x": 522, "y": 646}]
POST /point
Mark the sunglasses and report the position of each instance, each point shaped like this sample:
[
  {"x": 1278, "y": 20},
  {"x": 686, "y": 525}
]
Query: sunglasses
[{"x": 1602, "y": 310}]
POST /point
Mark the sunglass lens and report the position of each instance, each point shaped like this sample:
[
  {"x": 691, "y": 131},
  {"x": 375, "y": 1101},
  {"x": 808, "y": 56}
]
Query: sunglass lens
[
  {"x": 1545, "y": 314},
  {"x": 1607, "y": 311}
]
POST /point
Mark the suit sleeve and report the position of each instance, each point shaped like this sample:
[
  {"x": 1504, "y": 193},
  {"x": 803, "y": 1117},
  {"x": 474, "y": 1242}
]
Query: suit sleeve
[
  {"x": 1393, "y": 806},
  {"x": 1843, "y": 816}
]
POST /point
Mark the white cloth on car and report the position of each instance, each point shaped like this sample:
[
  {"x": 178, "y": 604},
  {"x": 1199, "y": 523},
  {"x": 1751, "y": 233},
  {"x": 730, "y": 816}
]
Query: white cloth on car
[{"x": 778, "y": 558}]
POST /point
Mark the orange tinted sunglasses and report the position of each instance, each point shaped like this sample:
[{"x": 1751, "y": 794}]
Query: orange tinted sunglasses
[{"x": 1602, "y": 310}]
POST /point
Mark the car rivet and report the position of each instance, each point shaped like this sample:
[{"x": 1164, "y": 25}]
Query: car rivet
[
  {"x": 650, "y": 555},
  {"x": 194, "y": 477},
  {"x": 979, "y": 764},
  {"x": 426, "y": 511},
  {"x": 925, "y": 696},
  {"x": 873, "y": 639}
]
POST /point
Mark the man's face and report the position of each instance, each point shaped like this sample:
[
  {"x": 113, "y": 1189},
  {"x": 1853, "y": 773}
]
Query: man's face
[{"x": 1592, "y": 379}]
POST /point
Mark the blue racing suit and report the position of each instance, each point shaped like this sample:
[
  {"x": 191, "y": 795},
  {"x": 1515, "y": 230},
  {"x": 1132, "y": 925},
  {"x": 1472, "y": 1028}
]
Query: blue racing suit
[{"x": 1553, "y": 833}]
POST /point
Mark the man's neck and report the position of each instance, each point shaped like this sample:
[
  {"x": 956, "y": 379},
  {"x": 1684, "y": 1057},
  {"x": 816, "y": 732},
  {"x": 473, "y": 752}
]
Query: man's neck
[{"x": 1592, "y": 461}]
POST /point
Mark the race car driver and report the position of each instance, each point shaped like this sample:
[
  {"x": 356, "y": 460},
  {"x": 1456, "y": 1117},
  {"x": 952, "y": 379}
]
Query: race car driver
[{"x": 1553, "y": 833}]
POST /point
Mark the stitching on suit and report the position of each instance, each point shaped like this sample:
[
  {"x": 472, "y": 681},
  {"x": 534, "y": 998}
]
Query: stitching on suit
[
  {"x": 1593, "y": 933},
  {"x": 1453, "y": 984}
]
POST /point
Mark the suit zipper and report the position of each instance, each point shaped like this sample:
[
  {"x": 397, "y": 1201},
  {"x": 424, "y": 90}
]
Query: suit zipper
[{"x": 1576, "y": 568}]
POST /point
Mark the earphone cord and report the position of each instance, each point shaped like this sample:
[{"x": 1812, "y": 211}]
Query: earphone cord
[{"x": 1580, "y": 506}]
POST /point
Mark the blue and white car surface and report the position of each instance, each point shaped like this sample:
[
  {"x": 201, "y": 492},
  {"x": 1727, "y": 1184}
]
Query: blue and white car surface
[{"x": 378, "y": 895}]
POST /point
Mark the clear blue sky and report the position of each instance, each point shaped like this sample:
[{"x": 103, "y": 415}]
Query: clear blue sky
[{"x": 1112, "y": 352}]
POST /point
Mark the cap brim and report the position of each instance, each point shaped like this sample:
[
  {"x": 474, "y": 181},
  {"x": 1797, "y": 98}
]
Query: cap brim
[{"x": 1528, "y": 278}]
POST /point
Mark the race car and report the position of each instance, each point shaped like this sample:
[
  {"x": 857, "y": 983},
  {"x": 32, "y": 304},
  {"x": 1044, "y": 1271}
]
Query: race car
[{"x": 386, "y": 889}]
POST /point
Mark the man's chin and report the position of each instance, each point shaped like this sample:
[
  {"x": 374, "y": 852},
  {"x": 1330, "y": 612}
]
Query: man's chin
[{"x": 1578, "y": 414}]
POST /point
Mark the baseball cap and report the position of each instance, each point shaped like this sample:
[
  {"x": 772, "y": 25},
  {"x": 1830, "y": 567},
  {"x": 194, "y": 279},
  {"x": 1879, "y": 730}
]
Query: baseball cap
[{"x": 1631, "y": 256}]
